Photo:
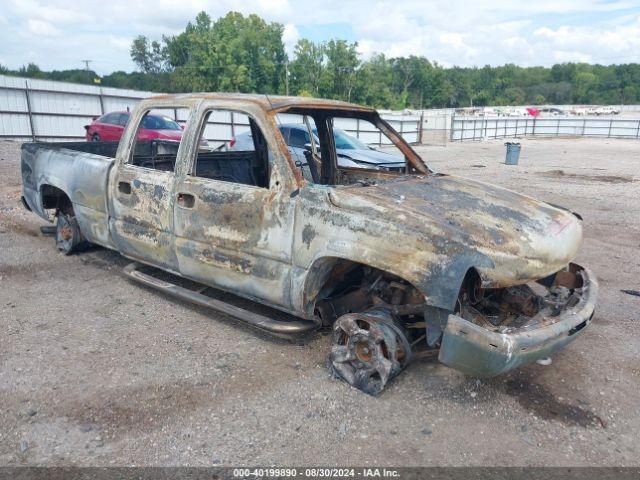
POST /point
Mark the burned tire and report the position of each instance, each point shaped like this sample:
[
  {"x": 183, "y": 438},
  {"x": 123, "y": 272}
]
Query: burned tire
[
  {"x": 68, "y": 236},
  {"x": 96, "y": 137},
  {"x": 368, "y": 349}
]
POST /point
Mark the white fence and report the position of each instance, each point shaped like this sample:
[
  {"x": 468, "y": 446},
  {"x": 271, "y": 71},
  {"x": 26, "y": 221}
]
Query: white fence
[
  {"x": 32, "y": 109},
  {"x": 479, "y": 128}
]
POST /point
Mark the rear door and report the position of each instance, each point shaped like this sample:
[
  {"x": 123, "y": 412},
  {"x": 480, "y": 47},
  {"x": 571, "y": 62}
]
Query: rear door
[
  {"x": 142, "y": 197},
  {"x": 233, "y": 216}
]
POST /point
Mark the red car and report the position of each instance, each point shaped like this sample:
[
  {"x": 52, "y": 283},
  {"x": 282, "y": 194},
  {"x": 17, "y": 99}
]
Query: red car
[{"x": 110, "y": 127}]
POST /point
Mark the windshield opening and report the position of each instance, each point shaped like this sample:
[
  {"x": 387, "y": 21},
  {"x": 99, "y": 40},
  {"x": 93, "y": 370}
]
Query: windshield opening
[{"x": 342, "y": 147}]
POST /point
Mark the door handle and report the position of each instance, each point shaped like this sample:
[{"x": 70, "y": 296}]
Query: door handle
[
  {"x": 186, "y": 200},
  {"x": 124, "y": 187}
]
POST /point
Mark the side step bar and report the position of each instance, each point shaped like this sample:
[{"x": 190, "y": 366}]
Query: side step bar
[{"x": 260, "y": 321}]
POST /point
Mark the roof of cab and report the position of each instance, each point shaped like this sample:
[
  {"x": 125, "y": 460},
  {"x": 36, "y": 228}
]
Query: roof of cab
[{"x": 269, "y": 102}]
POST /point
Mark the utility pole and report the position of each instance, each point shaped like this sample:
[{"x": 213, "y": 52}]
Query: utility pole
[{"x": 86, "y": 64}]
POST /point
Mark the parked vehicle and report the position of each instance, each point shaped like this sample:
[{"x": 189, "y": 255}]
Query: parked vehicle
[
  {"x": 552, "y": 111},
  {"x": 604, "y": 110},
  {"x": 110, "y": 127},
  {"x": 350, "y": 150},
  {"x": 398, "y": 264}
]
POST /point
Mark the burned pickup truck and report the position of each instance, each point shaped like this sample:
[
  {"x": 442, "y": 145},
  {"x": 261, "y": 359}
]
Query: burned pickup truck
[{"x": 399, "y": 262}]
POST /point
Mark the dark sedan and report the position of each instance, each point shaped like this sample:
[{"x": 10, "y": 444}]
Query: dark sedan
[{"x": 351, "y": 151}]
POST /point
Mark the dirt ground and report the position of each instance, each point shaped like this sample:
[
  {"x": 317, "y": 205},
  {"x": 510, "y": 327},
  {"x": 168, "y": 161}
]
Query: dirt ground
[{"x": 95, "y": 370}]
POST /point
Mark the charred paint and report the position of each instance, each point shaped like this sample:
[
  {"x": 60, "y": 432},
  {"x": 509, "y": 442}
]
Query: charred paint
[{"x": 308, "y": 234}]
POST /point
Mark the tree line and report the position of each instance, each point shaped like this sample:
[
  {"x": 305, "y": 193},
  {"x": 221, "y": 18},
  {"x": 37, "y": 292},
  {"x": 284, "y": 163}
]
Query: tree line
[{"x": 238, "y": 53}]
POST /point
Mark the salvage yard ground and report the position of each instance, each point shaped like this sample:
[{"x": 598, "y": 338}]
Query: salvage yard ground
[{"x": 95, "y": 370}]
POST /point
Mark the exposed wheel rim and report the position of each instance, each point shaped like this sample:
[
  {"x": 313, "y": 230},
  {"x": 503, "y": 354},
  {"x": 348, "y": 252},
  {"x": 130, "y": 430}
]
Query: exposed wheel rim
[
  {"x": 368, "y": 350},
  {"x": 67, "y": 233}
]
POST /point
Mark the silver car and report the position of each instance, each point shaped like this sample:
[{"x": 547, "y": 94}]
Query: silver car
[{"x": 351, "y": 151}]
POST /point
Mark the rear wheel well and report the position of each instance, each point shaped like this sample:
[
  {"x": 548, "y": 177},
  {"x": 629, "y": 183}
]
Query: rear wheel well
[{"x": 54, "y": 197}]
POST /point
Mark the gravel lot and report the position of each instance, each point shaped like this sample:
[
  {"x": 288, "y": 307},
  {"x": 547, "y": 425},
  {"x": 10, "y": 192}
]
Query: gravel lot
[{"x": 95, "y": 370}]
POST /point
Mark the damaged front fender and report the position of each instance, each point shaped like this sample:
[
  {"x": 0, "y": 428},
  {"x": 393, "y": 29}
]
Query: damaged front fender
[{"x": 478, "y": 351}]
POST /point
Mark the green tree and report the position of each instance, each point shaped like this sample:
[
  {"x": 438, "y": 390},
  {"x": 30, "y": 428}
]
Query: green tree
[
  {"x": 338, "y": 79},
  {"x": 307, "y": 68},
  {"x": 234, "y": 53},
  {"x": 246, "y": 54},
  {"x": 149, "y": 56}
]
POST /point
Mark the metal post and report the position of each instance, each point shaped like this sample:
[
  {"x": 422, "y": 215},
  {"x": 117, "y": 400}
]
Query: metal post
[
  {"x": 610, "y": 124},
  {"x": 462, "y": 131},
  {"x": 584, "y": 126},
  {"x": 101, "y": 102},
  {"x": 533, "y": 130},
  {"x": 233, "y": 127},
  {"x": 453, "y": 118},
  {"x": 638, "y": 130},
  {"x": 421, "y": 127},
  {"x": 26, "y": 92},
  {"x": 557, "y": 127}
]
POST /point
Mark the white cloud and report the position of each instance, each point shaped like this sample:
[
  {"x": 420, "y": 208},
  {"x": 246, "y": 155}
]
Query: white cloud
[
  {"x": 451, "y": 32},
  {"x": 290, "y": 37},
  {"x": 591, "y": 43},
  {"x": 40, "y": 27},
  {"x": 120, "y": 42}
]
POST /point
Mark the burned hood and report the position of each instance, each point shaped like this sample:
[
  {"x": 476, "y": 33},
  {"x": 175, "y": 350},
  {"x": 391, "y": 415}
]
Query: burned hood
[{"x": 519, "y": 237}]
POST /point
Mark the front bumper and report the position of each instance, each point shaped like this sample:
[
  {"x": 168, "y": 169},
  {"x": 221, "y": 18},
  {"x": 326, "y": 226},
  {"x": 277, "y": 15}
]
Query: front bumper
[{"x": 477, "y": 351}]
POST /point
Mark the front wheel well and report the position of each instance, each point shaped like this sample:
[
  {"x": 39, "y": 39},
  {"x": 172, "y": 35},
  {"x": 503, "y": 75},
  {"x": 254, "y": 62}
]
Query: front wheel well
[{"x": 341, "y": 286}]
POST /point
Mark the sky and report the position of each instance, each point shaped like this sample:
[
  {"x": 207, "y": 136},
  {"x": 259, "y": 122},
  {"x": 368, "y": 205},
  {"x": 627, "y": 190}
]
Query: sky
[{"x": 60, "y": 34}]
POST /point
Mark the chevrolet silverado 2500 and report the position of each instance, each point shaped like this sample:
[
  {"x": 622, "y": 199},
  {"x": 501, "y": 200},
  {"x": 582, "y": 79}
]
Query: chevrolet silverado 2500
[{"x": 399, "y": 264}]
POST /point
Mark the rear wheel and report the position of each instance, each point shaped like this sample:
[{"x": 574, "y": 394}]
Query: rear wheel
[{"x": 68, "y": 235}]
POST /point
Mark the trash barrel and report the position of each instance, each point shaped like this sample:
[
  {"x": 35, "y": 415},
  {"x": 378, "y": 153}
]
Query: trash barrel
[{"x": 513, "y": 153}]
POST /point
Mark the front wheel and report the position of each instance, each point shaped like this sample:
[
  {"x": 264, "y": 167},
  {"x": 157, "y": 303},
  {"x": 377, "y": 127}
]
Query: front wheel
[
  {"x": 68, "y": 235},
  {"x": 368, "y": 349},
  {"x": 96, "y": 137}
]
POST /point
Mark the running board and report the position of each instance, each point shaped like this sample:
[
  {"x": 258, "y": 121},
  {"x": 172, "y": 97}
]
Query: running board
[{"x": 254, "y": 319}]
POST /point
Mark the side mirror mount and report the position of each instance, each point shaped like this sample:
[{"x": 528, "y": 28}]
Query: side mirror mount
[{"x": 308, "y": 147}]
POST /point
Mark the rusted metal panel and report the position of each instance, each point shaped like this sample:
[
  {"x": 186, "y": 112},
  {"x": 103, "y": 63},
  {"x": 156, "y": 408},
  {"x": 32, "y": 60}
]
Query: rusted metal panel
[{"x": 83, "y": 180}]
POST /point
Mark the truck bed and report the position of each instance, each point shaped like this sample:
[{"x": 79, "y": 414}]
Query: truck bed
[{"x": 81, "y": 171}]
